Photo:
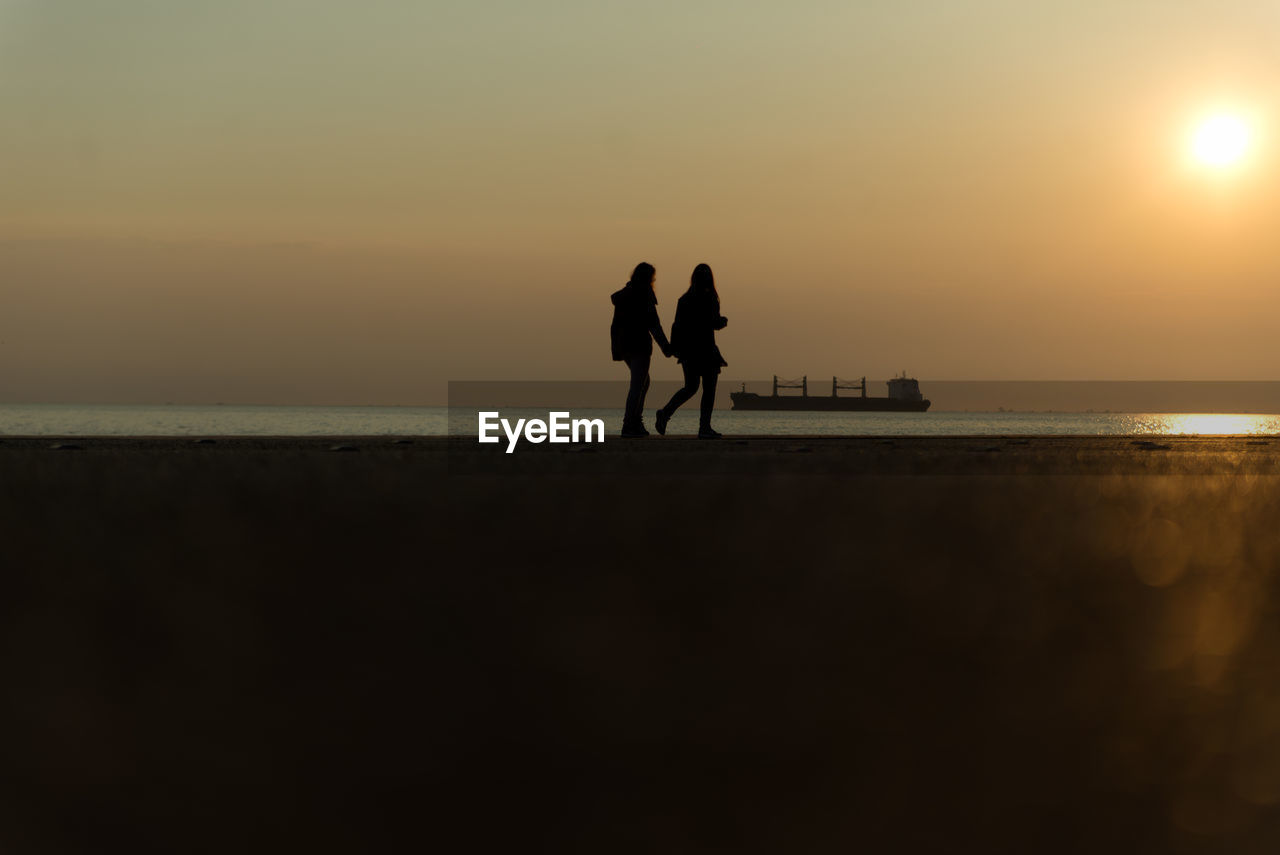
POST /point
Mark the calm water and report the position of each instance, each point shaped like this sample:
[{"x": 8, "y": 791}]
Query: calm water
[
  {"x": 108, "y": 420},
  {"x": 221, "y": 420}
]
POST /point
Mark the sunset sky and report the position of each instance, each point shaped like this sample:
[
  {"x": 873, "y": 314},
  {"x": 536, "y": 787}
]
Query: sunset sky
[{"x": 306, "y": 201}]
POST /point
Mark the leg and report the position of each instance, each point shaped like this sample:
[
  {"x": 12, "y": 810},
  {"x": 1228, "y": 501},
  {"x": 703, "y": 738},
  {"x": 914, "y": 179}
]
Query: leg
[
  {"x": 639, "y": 365},
  {"x": 684, "y": 393},
  {"x": 708, "y": 398}
]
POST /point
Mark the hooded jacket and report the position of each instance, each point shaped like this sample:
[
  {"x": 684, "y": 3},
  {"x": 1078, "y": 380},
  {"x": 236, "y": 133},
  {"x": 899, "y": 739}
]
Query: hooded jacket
[{"x": 635, "y": 323}]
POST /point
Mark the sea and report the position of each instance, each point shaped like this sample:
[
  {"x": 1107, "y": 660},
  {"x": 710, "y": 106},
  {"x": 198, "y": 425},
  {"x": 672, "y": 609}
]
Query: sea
[{"x": 244, "y": 420}]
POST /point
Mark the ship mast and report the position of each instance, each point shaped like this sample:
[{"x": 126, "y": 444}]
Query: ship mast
[
  {"x": 803, "y": 386},
  {"x": 836, "y": 386}
]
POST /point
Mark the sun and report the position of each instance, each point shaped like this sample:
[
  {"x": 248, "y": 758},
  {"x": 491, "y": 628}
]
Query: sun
[{"x": 1220, "y": 140}]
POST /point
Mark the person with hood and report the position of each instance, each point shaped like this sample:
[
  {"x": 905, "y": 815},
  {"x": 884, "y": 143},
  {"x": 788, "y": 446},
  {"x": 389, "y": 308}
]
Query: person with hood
[
  {"x": 635, "y": 326},
  {"x": 693, "y": 341}
]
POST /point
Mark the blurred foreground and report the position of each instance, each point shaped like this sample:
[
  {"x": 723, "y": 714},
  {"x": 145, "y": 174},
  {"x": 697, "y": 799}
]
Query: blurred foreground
[{"x": 806, "y": 645}]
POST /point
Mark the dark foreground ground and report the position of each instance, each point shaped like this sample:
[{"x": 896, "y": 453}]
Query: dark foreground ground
[{"x": 773, "y": 645}]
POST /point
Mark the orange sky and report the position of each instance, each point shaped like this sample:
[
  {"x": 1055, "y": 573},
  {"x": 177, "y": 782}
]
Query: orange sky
[{"x": 310, "y": 202}]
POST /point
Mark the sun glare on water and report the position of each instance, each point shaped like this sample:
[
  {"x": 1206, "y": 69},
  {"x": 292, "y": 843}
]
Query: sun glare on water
[
  {"x": 1220, "y": 140},
  {"x": 1215, "y": 424}
]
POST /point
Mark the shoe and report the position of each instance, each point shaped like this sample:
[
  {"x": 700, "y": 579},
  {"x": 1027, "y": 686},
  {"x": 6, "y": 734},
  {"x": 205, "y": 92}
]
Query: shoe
[
  {"x": 660, "y": 422},
  {"x": 708, "y": 433},
  {"x": 634, "y": 431}
]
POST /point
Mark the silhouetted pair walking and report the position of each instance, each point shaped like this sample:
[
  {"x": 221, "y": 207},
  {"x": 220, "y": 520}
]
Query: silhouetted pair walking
[{"x": 693, "y": 342}]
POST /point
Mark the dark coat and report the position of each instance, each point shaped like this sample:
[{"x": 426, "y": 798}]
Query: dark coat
[
  {"x": 635, "y": 323},
  {"x": 693, "y": 334}
]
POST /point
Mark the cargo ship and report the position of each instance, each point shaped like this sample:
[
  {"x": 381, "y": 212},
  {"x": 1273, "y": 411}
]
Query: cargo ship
[{"x": 904, "y": 397}]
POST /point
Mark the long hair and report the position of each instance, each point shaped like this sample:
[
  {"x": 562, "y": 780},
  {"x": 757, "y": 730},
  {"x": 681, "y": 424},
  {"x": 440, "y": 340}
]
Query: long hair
[
  {"x": 702, "y": 282},
  {"x": 642, "y": 276}
]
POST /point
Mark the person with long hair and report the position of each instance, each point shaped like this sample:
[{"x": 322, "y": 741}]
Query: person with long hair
[
  {"x": 634, "y": 329},
  {"x": 693, "y": 342}
]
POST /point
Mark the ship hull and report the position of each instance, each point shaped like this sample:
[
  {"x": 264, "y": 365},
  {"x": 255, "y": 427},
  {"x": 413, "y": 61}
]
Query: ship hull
[{"x": 802, "y": 403}]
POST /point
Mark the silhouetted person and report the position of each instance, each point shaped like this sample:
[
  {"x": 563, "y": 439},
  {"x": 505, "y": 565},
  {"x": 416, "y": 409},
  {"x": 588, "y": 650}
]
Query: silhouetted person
[
  {"x": 635, "y": 326},
  {"x": 693, "y": 341}
]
